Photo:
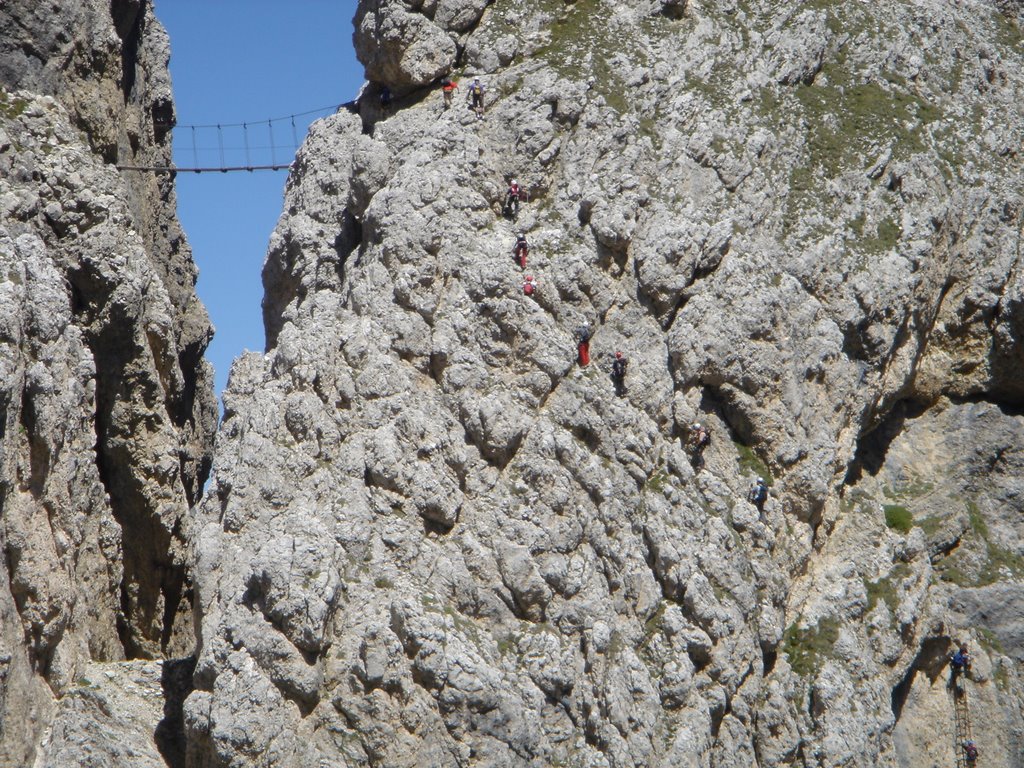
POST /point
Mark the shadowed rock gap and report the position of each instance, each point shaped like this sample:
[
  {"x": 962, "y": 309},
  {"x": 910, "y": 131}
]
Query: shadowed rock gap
[
  {"x": 873, "y": 446},
  {"x": 176, "y": 685}
]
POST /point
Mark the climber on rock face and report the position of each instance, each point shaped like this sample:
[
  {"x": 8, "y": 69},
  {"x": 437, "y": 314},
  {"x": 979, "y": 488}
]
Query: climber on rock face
[
  {"x": 583, "y": 344},
  {"x": 529, "y": 285},
  {"x": 758, "y": 494},
  {"x": 448, "y": 87},
  {"x": 520, "y": 250},
  {"x": 385, "y": 97},
  {"x": 970, "y": 752},
  {"x": 619, "y": 373},
  {"x": 476, "y": 97},
  {"x": 961, "y": 660},
  {"x": 697, "y": 440},
  {"x": 512, "y": 199}
]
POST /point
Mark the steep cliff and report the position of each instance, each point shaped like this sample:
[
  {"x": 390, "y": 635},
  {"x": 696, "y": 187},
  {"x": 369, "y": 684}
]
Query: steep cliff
[
  {"x": 106, "y": 405},
  {"x": 433, "y": 539}
]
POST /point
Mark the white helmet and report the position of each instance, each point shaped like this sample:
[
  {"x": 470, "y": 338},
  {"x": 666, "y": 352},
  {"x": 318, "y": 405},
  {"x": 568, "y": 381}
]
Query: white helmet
[
  {"x": 696, "y": 425},
  {"x": 513, "y": 181},
  {"x": 760, "y": 481}
]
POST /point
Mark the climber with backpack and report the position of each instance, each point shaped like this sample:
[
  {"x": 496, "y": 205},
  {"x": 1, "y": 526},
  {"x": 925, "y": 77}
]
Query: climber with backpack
[
  {"x": 529, "y": 285},
  {"x": 961, "y": 660},
  {"x": 583, "y": 344},
  {"x": 758, "y": 494},
  {"x": 476, "y": 97},
  {"x": 697, "y": 440},
  {"x": 385, "y": 98},
  {"x": 448, "y": 87},
  {"x": 619, "y": 373},
  {"x": 700, "y": 436},
  {"x": 520, "y": 250},
  {"x": 970, "y": 752},
  {"x": 512, "y": 199}
]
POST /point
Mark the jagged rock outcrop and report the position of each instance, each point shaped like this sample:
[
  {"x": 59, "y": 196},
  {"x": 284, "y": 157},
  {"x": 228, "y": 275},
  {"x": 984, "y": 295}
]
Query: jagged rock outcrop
[
  {"x": 106, "y": 405},
  {"x": 408, "y": 45},
  {"x": 433, "y": 540}
]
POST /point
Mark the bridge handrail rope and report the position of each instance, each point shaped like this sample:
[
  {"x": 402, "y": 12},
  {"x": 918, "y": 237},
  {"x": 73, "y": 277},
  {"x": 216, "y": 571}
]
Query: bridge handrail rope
[
  {"x": 208, "y": 169},
  {"x": 328, "y": 108},
  {"x": 196, "y": 146}
]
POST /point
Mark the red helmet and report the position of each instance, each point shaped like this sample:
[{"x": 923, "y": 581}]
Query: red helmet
[
  {"x": 618, "y": 355},
  {"x": 529, "y": 278}
]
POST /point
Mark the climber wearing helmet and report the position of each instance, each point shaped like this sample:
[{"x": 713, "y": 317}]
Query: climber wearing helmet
[
  {"x": 697, "y": 441},
  {"x": 529, "y": 285},
  {"x": 619, "y": 373},
  {"x": 476, "y": 97},
  {"x": 520, "y": 250},
  {"x": 970, "y": 752},
  {"x": 758, "y": 494},
  {"x": 583, "y": 344},
  {"x": 512, "y": 199},
  {"x": 700, "y": 435}
]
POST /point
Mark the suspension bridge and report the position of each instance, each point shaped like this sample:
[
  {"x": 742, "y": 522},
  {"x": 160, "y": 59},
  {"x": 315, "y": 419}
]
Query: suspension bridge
[{"x": 259, "y": 145}]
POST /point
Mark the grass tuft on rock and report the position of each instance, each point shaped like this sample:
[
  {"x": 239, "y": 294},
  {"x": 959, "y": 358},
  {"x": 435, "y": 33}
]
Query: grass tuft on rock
[
  {"x": 807, "y": 648},
  {"x": 11, "y": 108},
  {"x": 898, "y": 518},
  {"x": 750, "y": 463}
]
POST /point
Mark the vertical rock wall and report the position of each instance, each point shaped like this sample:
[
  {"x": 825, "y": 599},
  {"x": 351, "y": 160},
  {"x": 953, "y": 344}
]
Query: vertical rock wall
[
  {"x": 433, "y": 539},
  {"x": 106, "y": 405}
]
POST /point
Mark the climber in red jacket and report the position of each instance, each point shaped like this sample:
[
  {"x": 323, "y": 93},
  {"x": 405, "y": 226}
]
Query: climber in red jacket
[
  {"x": 583, "y": 344},
  {"x": 448, "y": 87},
  {"x": 512, "y": 199}
]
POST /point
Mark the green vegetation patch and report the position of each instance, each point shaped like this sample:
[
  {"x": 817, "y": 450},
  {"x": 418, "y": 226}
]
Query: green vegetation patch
[
  {"x": 807, "y": 648},
  {"x": 583, "y": 46},
  {"x": 653, "y": 625},
  {"x": 657, "y": 481},
  {"x": 988, "y": 640},
  {"x": 1002, "y": 678},
  {"x": 1008, "y": 32},
  {"x": 898, "y": 517},
  {"x": 1001, "y": 561},
  {"x": 11, "y": 107},
  {"x": 848, "y": 124},
  {"x": 887, "y": 235},
  {"x": 978, "y": 524},
  {"x": 997, "y": 563},
  {"x": 749, "y": 462},
  {"x": 884, "y": 589}
]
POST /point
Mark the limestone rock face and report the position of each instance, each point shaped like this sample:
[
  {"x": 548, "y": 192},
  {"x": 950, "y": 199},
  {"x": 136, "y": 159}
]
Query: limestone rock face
[
  {"x": 106, "y": 405},
  {"x": 406, "y": 44},
  {"x": 434, "y": 539},
  {"x": 114, "y": 716}
]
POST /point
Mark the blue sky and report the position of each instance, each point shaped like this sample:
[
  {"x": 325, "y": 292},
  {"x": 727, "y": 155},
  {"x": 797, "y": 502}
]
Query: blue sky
[{"x": 247, "y": 61}]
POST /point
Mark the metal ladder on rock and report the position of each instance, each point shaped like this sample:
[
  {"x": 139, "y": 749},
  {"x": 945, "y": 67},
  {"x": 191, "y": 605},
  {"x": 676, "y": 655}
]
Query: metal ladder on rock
[{"x": 962, "y": 721}]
